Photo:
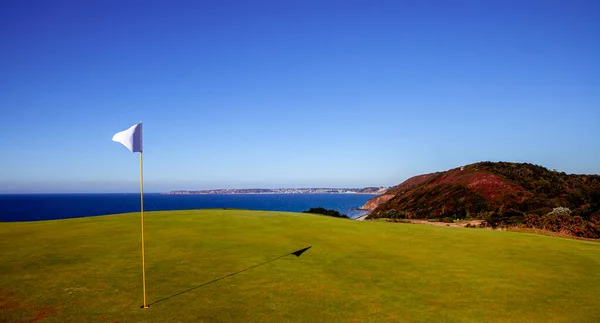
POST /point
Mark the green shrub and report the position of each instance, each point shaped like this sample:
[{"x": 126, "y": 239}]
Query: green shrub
[
  {"x": 392, "y": 214},
  {"x": 323, "y": 211}
]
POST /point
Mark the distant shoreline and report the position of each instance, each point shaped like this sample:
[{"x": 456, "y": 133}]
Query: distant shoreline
[
  {"x": 366, "y": 190},
  {"x": 270, "y": 193}
]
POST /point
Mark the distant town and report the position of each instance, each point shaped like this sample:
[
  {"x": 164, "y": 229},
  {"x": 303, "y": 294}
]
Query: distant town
[{"x": 366, "y": 190}]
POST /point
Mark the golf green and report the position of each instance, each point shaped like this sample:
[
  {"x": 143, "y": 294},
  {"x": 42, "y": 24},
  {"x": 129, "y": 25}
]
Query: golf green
[{"x": 237, "y": 266}]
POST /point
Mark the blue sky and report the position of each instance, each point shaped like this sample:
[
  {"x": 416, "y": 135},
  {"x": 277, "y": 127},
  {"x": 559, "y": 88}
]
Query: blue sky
[{"x": 292, "y": 93}]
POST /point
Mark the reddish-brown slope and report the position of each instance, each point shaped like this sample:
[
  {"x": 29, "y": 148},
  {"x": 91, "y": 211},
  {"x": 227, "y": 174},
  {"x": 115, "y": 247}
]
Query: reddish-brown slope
[
  {"x": 502, "y": 193},
  {"x": 373, "y": 203},
  {"x": 411, "y": 182},
  {"x": 454, "y": 191},
  {"x": 479, "y": 180},
  {"x": 376, "y": 201}
]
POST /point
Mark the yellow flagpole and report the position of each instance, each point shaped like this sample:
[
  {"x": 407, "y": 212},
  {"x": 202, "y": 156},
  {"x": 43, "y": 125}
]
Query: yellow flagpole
[{"x": 142, "y": 213}]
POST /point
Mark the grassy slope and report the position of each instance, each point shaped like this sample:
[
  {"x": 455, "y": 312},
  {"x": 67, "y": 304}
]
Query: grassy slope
[{"x": 88, "y": 269}]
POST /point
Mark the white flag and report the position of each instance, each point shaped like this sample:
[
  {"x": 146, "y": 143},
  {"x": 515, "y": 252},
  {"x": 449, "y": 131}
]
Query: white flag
[{"x": 131, "y": 138}]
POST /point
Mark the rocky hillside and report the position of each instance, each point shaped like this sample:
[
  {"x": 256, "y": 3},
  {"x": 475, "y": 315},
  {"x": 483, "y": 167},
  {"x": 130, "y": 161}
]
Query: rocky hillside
[
  {"x": 501, "y": 193},
  {"x": 376, "y": 201},
  {"x": 388, "y": 194}
]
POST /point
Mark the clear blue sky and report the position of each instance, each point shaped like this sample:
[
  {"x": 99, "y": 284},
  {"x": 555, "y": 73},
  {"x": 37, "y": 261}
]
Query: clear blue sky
[{"x": 292, "y": 93}]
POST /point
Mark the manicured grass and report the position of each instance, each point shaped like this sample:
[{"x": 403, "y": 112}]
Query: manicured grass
[{"x": 89, "y": 269}]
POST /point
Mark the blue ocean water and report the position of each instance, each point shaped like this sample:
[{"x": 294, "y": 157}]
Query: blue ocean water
[{"x": 35, "y": 207}]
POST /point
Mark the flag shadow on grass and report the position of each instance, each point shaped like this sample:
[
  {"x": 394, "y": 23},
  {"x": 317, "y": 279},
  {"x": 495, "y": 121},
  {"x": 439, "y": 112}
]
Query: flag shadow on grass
[{"x": 296, "y": 253}]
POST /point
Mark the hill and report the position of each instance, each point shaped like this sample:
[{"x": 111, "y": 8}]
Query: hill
[
  {"x": 502, "y": 194},
  {"x": 227, "y": 266}
]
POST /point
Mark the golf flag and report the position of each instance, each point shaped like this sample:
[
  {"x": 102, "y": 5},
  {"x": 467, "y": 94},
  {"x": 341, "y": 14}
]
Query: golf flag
[{"x": 131, "y": 138}]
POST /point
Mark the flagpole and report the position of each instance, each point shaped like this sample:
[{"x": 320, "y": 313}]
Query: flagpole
[{"x": 142, "y": 213}]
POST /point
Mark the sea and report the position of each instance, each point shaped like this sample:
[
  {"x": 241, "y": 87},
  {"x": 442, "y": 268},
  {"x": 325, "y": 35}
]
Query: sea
[{"x": 39, "y": 207}]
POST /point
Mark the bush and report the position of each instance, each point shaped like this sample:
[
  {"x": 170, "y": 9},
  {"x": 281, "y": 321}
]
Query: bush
[
  {"x": 541, "y": 211},
  {"x": 531, "y": 220},
  {"x": 564, "y": 222},
  {"x": 448, "y": 220},
  {"x": 560, "y": 210},
  {"x": 502, "y": 218},
  {"x": 320, "y": 210},
  {"x": 392, "y": 214}
]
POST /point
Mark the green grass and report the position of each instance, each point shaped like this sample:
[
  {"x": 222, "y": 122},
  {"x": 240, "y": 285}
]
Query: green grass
[{"x": 89, "y": 269}]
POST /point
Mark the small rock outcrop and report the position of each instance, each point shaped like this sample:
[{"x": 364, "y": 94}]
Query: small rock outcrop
[{"x": 373, "y": 203}]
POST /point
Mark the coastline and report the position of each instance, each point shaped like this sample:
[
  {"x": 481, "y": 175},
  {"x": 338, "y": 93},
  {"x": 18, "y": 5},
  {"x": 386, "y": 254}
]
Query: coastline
[
  {"x": 370, "y": 190},
  {"x": 268, "y": 193},
  {"x": 362, "y": 217}
]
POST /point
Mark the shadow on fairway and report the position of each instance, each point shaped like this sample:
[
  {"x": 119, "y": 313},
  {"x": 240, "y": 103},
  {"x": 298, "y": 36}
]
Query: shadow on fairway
[{"x": 295, "y": 253}]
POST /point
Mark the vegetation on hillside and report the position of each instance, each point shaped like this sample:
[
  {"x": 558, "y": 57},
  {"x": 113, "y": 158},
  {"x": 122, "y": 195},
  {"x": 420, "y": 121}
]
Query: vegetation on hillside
[
  {"x": 503, "y": 194},
  {"x": 324, "y": 211}
]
